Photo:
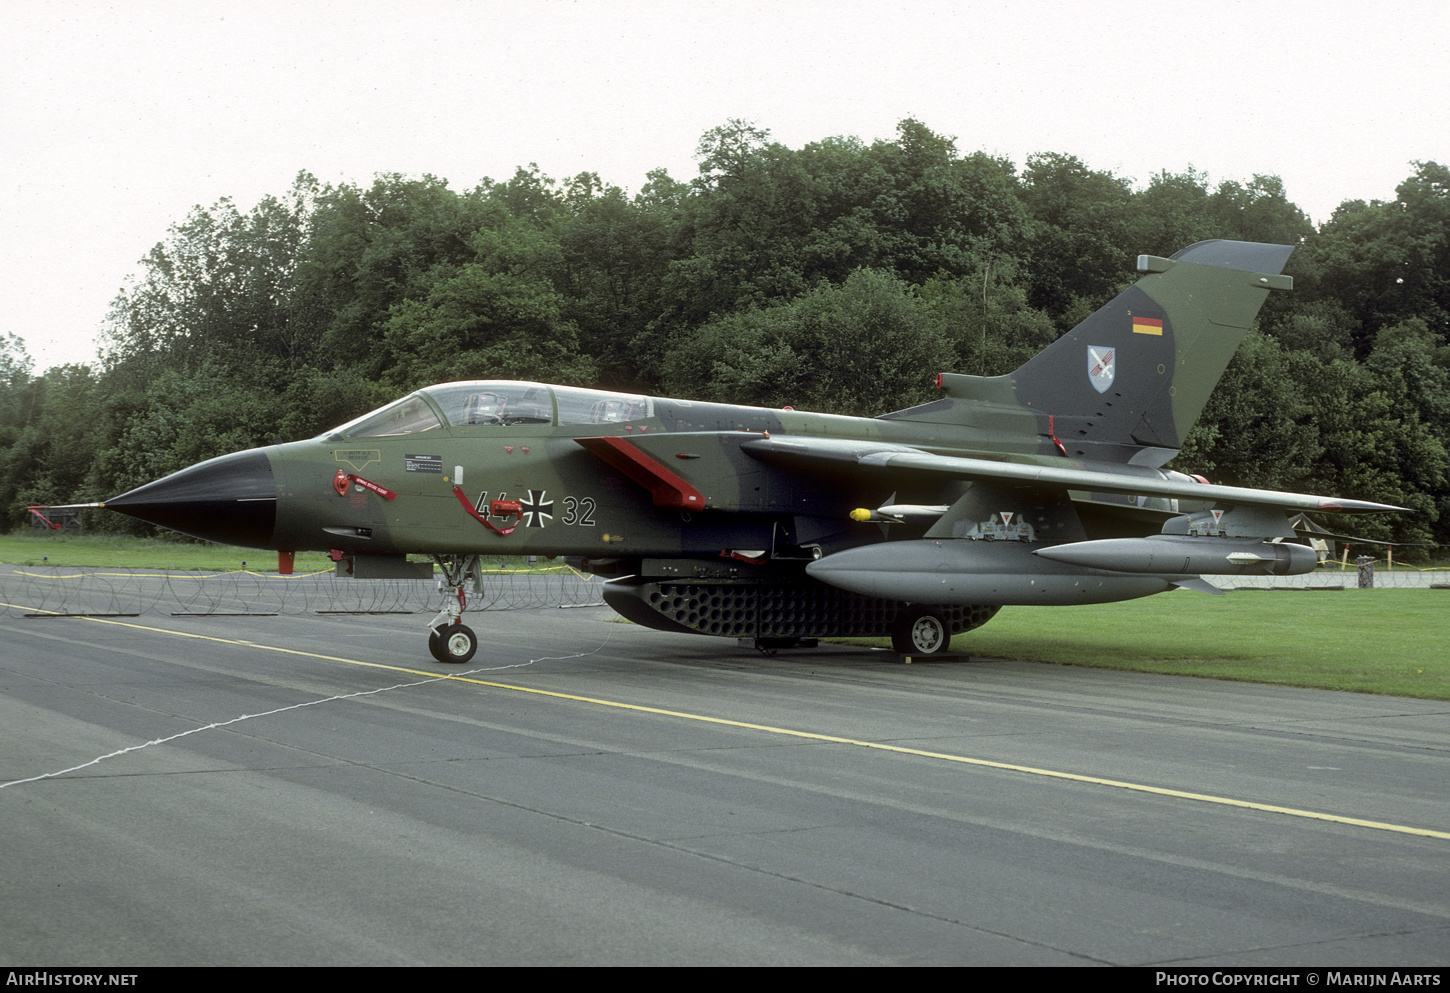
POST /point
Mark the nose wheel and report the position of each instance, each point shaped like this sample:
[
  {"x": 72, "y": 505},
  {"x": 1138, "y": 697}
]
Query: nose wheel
[
  {"x": 450, "y": 641},
  {"x": 453, "y": 645}
]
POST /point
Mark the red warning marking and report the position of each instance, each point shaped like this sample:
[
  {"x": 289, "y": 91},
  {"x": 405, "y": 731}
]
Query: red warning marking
[
  {"x": 500, "y": 507},
  {"x": 343, "y": 479}
]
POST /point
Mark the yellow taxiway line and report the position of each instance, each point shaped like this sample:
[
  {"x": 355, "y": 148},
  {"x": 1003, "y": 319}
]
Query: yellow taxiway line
[{"x": 815, "y": 736}]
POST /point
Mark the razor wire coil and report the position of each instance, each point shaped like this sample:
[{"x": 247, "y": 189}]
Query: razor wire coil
[{"x": 60, "y": 590}]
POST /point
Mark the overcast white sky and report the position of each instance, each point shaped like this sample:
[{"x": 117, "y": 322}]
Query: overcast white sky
[{"x": 116, "y": 118}]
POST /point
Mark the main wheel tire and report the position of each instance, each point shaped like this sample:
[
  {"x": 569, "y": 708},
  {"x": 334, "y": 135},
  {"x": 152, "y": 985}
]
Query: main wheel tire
[
  {"x": 453, "y": 645},
  {"x": 920, "y": 631}
]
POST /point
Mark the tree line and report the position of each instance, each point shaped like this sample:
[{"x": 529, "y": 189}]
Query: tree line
[{"x": 838, "y": 277}]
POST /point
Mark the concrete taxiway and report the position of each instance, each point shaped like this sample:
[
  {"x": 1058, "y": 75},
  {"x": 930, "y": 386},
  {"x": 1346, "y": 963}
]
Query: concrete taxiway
[{"x": 589, "y": 792}]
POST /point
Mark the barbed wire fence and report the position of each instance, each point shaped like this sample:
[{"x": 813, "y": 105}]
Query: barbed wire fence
[
  {"x": 50, "y": 591},
  {"x": 1335, "y": 576}
]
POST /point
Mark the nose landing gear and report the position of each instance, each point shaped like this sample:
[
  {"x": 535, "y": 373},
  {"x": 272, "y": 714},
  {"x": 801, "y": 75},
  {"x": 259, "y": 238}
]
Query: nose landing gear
[{"x": 450, "y": 641}]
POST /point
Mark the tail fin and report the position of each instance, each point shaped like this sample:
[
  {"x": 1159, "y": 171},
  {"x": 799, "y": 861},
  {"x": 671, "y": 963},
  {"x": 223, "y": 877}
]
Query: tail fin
[{"x": 1137, "y": 373}]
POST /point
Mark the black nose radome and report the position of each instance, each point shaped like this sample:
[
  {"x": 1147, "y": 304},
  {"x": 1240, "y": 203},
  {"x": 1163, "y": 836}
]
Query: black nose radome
[{"x": 231, "y": 499}]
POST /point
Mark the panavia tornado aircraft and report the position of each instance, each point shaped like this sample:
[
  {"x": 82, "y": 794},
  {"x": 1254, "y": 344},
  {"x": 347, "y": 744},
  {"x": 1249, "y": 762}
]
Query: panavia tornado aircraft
[{"x": 1039, "y": 487}]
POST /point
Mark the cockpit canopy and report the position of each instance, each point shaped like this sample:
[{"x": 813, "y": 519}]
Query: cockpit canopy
[{"x": 494, "y": 404}]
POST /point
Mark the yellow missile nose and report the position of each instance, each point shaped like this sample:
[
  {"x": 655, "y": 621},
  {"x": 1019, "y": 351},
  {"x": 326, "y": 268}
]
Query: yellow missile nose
[{"x": 860, "y": 514}]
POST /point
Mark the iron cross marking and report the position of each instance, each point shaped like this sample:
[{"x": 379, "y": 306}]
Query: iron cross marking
[{"x": 537, "y": 511}]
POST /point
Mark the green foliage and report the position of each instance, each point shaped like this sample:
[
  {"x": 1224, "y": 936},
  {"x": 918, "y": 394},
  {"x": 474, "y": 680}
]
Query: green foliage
[
  {"x": 1259, "y": 211},
  {"x": 496, "y": 316},
  {"x": 218, "y": 291},
  {"x": 1285, "y": 419},
  {"x": 51, "y": 441},
  {"x": 837, "y": 276},
  {"x": 1080, "y": 246},
  {"x": 182, "y": 420},
  {"x": 985, "y": 317},
  {"x": 858, "y": 348},
  {"x": 15, "y": 381},
  {"x": 613, "y": 257},
  {"x": 371, "y": 250},
  {"x": 316, "y": 401},
  {"x": 1258, "y": 428},
  {"x": 768, "y": 224},
  {"x": 1388, "y": 262}
]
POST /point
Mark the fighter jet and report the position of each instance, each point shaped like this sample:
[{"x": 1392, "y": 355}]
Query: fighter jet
[{"x": 1043, "y": 486}]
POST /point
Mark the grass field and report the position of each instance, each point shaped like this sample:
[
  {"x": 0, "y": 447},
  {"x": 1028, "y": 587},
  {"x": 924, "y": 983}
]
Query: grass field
[
  {"x": 114, "y": 552},
  {"x": 1367, "y": 641},
  {"x": 1394, "y": 641}
]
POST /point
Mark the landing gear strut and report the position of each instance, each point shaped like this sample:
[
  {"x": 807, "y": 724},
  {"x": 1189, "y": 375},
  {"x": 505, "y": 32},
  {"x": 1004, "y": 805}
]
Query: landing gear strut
[{"x": 450, "y": 640}]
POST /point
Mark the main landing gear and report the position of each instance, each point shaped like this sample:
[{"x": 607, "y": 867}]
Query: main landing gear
[
  {"x": 450, "y": 640},
  {"x": 920, "y": 630}
]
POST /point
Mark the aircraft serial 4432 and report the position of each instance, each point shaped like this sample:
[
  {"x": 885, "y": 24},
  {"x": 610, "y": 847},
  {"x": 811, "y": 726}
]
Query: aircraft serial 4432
[{"x": 1039, "y": 487}]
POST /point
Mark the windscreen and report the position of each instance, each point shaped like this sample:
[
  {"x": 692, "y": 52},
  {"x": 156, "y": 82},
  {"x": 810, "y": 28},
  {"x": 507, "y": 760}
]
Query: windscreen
[{"x": 410, "y": 415}]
